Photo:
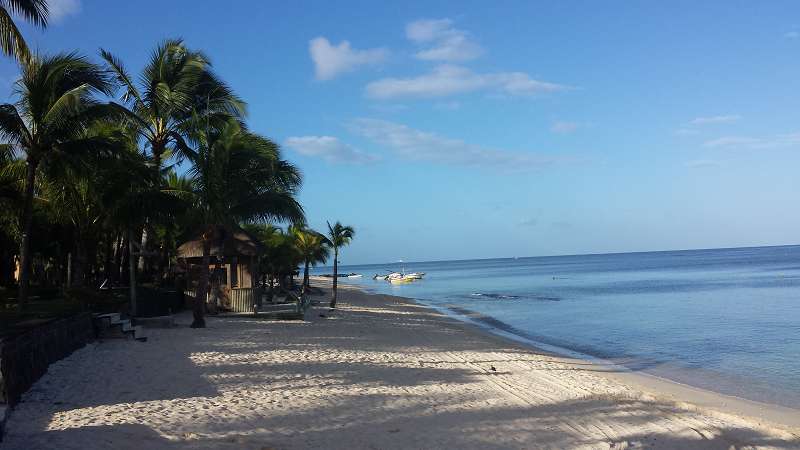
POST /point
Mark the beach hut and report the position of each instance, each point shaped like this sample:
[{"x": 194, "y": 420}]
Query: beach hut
[{"x": 233, "y": 280}]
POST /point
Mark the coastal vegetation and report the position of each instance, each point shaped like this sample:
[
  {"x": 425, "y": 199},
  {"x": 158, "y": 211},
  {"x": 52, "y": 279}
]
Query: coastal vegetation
[
  {"x": 103, "y": 174},
  {"x": 11, "y": 40},
  {"x": 338, "y": 236}
]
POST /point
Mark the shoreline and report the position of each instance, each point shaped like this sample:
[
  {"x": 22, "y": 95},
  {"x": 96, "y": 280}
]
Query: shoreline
[
  {"x": 659, "y": 386},
  {"x": 377, "y": 372}
]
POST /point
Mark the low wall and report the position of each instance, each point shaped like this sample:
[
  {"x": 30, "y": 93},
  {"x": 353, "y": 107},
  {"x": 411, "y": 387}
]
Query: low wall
[{"x": 24, "y": 358}]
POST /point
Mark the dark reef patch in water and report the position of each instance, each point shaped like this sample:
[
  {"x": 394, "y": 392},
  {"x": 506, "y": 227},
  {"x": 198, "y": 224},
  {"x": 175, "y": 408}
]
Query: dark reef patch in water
[{"x": 495, "y": 296}]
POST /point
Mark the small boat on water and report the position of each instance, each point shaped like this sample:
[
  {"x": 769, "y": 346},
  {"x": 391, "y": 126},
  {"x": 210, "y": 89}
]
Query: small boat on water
[
  {"x": 399, "y": 277},
  {"x": 401, "y": 280},
  {"x": 388, "y": 276},
  {"x": 342, "y": 275}
]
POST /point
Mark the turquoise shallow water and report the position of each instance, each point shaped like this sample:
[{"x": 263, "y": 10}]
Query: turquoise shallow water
[{"x": 727, "y": 320}]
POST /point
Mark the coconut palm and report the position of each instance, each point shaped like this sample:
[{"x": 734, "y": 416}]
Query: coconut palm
[
  {"x": 237, "y": 176},
  {"x": 338, "y": 236},
  {"x": 10, "y": 205},
  {"x": 312, "y": 247},
  {"x": 176, "y": 86},
  {"x": 109, "y": 193},
  {"x": 55, "y": 105},
  {"x": 11, "y": 40}
]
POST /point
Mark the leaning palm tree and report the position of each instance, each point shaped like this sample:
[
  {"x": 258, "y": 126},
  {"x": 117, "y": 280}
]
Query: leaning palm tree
[
  {"x": 237, "y": 176},
  {"x": 338, "y": 236},
  {"x": 11, "y": 40},
  {"x": 313, "y": 248},
  {"x": 55, "y": 105},
  {"x": 176, "y": 86}
]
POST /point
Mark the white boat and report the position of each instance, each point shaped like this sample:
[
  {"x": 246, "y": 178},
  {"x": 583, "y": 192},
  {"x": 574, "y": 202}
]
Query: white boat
[
  {"x": 416, "y": 275},
  {"x": 355, "y": 275}
]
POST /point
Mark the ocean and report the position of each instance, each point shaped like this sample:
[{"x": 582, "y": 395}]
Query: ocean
[{"x": 726, "y": 320}]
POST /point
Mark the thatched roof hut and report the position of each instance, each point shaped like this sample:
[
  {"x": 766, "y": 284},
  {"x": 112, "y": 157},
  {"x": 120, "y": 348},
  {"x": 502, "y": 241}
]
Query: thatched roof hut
[
  {"x": 226, "y": 242},
  {"x": 233, "y": 265}
]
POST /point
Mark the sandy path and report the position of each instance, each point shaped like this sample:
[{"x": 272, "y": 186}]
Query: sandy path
[{"x": 378, "y": 373}]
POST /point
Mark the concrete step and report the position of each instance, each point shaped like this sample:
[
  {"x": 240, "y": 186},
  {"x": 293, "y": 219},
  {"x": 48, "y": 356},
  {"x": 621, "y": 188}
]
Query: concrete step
[
  {"x": 112, "y": 325},
  {"x": 111, "y": 317}
]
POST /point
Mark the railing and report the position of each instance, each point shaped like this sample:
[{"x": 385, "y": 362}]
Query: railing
[
  {"x": 238, "y": 300},
  {"x": 243, "y": 299}
]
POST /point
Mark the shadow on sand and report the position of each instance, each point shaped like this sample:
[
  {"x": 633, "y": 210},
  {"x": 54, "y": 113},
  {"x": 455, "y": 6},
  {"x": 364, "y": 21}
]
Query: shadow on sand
[{"x": 367, "y": 418}]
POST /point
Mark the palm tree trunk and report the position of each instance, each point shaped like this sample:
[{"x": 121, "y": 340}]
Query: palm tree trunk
[
  {"x": 335, "y": 275},
  {"x": 201, "y": 294},
  {"x": 25, "y": 244},
  {"x": 124, "y": 257},
  {"x": 108, "y": 257},
  {"x": 79, "y": 262},
  {"x": 305, "y": 274},
  {"x": 132, "y": 271}
]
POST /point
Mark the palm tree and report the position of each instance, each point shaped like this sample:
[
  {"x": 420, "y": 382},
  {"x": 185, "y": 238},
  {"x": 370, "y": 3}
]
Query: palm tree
[
  {"x": 11, "y": 40},
  {"x": 55, "y": 105},
  {"x": 10, "y": 205},
  {"x": 313, "y": 248},
  {"x": 176, "y": 86},
  {"x": 237, "y": 176},
  {"x": 338, "y": 236}
]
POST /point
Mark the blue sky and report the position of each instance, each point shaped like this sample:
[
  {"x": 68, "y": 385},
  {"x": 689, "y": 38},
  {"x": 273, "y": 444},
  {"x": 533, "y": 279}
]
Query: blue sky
[{"x": 453, "y": 130}]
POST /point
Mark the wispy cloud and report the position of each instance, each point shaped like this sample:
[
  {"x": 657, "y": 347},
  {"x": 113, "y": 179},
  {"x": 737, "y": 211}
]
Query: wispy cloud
[
  {"x": 416, "y": 145},
  {"x": 449, "y": 79},
  {"x": 442, "y": 41},
  {"x": 60, "y": 9},
  {"x": 329, "y": 148},
  {"x": 755, "y": 143},
  {"x": 792, "y": 34},
  {"x": 563, "y": 127},
  {"x": 710, "y": 120},
  {"x": 332, "y": 60},
  {"x": 532, "y": 222}
]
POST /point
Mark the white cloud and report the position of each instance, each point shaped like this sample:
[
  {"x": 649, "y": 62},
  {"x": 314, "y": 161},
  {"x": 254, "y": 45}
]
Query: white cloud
[
  {"x": 415, "y": 145},
  {"x": 792, "y": 35},
  {"x": 745, "y": 142},
  {"x": 332, "y": 60},
  {"x": 442, "y": 41},
  {"x": 328, "y": 148},
  {"x": 715, "y": 119},
  {"x": 60, "y": 9},
  {"x": 449, "y": 79},
  {"x": 563, "y": 127}
]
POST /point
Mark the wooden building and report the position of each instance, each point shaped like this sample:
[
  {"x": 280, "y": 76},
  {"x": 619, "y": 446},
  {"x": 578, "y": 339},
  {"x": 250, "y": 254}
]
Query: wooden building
[{"x": 233, "y": 267}]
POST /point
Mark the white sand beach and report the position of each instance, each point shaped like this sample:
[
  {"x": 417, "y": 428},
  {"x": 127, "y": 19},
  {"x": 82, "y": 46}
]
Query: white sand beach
[{"x": 377, "y": 373}]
